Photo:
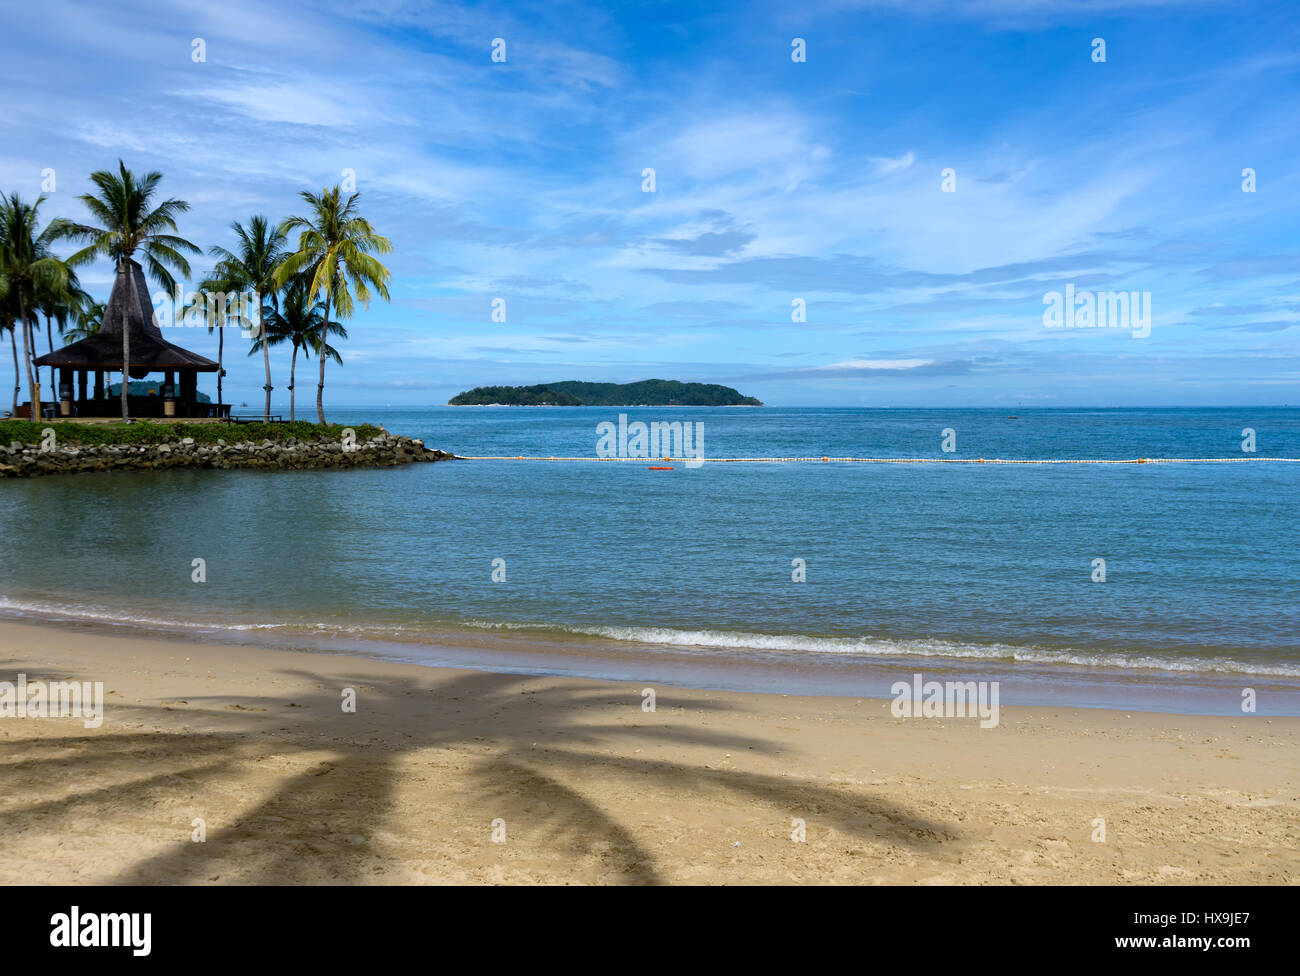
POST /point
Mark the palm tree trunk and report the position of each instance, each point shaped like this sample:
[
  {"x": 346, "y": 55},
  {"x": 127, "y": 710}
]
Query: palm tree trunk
[
  {"x": 18, "y": 386},
  {"x": 126, "y": 340},
  {"x": 266, "y": 361},
  {"x": 27, "y": 358},
  {"x": 293, "y": 366},
  {"x": 221, "y": 369},
  {"x": 320, "y": 384},
  {"x": 49, "y": 337},
  {"x": 39, "y": 397}
]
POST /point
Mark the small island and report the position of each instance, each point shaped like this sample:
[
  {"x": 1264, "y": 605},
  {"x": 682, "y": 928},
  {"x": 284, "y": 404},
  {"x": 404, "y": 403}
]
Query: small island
[{"x": 574, "y": 393}]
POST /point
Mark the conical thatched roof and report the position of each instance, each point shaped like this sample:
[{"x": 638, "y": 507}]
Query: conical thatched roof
[{"x": 150, "y": 352}]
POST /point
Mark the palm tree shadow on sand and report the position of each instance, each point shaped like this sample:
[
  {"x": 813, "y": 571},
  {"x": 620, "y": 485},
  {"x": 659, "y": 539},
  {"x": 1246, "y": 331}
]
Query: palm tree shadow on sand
[{"x": 331, "y": 818}]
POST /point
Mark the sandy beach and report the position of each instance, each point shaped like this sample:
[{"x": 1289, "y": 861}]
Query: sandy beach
[{"x": 584, "y": 786}]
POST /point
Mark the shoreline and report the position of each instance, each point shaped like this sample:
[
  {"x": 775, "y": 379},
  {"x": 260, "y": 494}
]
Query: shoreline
[
  {"x": 591, "y": 788},
  {"x": 556, "y": 652}
]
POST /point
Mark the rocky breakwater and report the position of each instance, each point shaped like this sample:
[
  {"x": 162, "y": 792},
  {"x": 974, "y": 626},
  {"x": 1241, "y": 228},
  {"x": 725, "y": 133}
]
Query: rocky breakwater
[{"x": 19, "y": 460}]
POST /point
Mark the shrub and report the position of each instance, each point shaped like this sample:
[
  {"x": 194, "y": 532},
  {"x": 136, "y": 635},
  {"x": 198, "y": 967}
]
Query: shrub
[{"x": 152, "y": 432}]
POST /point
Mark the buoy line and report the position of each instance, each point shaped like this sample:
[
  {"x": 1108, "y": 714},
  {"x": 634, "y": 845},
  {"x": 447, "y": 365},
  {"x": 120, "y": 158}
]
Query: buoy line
[{"x": 878, "y": 460}]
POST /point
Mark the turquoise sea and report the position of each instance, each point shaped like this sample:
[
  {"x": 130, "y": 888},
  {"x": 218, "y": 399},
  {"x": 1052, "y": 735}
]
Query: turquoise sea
[{"x": 685, "y": 576}]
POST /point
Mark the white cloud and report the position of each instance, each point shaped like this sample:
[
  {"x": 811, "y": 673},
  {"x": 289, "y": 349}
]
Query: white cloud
[
  {"x": 878, "y": 364},
  {"x": 885, "y": 166},
  {"x": 284, "y": 102}
]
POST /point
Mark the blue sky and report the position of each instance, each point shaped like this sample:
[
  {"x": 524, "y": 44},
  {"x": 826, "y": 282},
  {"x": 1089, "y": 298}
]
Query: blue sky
[{"x": 775, "y": 181}]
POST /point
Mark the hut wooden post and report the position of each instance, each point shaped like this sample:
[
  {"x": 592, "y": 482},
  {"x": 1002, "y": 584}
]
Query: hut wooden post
[{"x": 64, "y": 391}]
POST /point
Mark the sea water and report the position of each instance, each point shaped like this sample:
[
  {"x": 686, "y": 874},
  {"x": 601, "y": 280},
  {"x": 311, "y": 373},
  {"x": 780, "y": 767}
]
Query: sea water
[{"x": 811, "y": 577}]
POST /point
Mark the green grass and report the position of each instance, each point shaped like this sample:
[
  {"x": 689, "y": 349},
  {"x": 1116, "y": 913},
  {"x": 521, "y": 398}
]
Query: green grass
[{"x": 150, "y": 432}]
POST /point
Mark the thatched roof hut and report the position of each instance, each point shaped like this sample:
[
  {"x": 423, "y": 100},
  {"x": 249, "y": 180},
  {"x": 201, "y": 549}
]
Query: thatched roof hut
[
  {"x": 129, "y": 307},
  {"x": 150, "y": 352}
]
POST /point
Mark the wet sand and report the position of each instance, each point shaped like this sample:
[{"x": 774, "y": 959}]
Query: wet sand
[{"x": 581, "y": 785}]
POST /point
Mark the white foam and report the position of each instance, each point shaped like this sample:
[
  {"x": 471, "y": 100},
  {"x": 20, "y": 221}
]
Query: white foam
[
  {"x": 719, "y": 639},
  {"x": 874, "y": 647}
]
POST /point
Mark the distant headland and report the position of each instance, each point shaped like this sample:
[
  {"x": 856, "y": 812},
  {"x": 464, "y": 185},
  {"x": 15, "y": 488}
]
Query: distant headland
[{"x": 574, "y": 393}]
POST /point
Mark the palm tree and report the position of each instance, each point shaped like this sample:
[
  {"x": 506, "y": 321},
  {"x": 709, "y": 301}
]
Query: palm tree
[
  {"x": 26, "y": 269},
  {"x": 299, "y": 324},
  {"x": 216, "y": 319},
  {"x": 128, "y": 222},
  {"x": 334, "y": 254},
  {"x": 59, "y": 304},
  {"x": 12, "y": 326},
  {"x": 9, "y": 320},
  {"x": 261, "y": 250},
  {"x": 87, "y": 317}
]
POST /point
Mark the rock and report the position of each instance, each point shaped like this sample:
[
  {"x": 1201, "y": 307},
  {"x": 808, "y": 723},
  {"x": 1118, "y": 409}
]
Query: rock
[{"x": 385, "y": 450}]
